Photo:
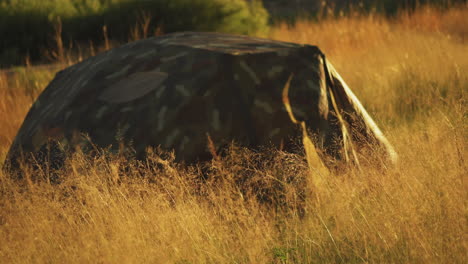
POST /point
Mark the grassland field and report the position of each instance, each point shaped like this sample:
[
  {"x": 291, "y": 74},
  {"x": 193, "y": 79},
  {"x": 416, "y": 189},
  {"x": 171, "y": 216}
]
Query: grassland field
[{"x": 410, "y": 72}]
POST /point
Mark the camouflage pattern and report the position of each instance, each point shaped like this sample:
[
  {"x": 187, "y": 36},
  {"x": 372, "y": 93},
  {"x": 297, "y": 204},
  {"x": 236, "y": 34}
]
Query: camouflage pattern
[{"x": 174, "y": 90}]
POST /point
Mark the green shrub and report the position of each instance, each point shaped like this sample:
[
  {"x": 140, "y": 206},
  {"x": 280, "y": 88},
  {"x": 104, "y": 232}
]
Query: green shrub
[{"x": 28, "y": 26}]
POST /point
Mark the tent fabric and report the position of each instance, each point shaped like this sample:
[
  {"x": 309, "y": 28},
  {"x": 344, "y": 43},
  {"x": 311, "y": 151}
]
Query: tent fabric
[{"x": 174, "y": 90}]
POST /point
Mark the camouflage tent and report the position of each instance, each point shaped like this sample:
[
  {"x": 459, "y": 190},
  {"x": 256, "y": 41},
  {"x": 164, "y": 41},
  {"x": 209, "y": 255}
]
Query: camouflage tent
[{"x": 173, "y": 91}]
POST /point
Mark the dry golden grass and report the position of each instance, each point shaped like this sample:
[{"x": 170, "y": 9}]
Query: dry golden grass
[{"x": 410, "y": 73}]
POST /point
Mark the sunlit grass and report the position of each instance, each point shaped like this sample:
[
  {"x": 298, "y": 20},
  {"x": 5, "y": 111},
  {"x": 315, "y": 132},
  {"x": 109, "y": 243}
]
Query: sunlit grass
[
  {"x": 397, "y": 67},
  {"x": 248, "y": 207}
]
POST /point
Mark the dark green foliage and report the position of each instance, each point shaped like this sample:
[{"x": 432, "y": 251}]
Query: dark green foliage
[
  {"x": 391, "y": 7},
  {"x": 289, "y": 11},
  {"x": 28, "y": 26}
]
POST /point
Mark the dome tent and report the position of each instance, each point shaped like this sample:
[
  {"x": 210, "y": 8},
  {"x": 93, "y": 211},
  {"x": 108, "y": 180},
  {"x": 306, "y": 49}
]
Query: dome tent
[{"x": 174, "y": 90}]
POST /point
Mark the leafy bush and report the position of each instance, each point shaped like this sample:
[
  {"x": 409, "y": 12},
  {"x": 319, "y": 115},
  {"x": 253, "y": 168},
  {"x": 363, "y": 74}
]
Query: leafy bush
[{"x": 27, "y": 26}]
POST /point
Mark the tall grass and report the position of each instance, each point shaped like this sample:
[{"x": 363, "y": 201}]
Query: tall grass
[
  {"x": 413, "y": 64},
  {"x": 257, "y": 207}
]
